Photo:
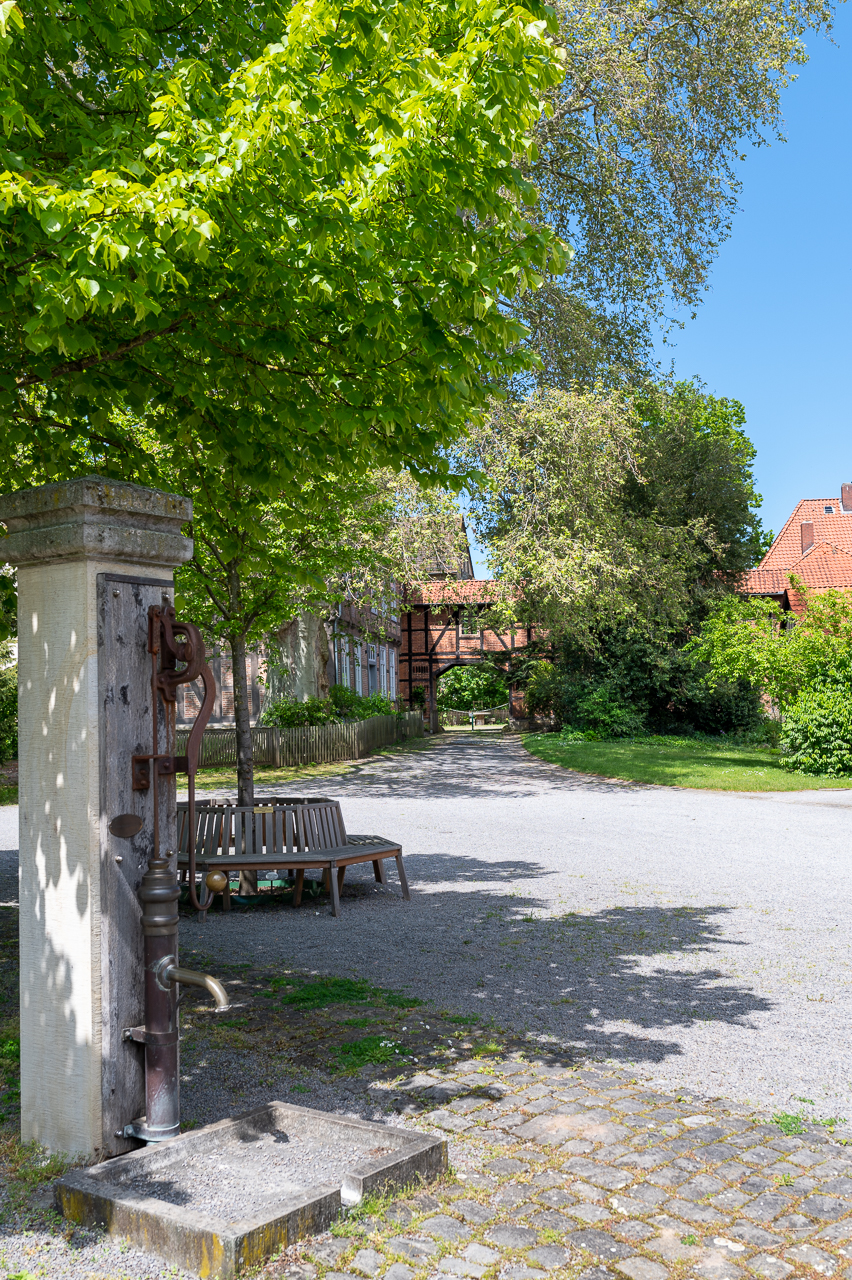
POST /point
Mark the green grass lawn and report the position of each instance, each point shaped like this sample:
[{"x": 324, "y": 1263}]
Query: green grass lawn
[{"x": 680, "y": 763}]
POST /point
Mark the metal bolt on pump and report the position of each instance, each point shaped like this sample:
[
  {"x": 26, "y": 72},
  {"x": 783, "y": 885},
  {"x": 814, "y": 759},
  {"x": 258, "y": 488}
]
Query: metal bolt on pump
[{"x": 160, "y": 891}]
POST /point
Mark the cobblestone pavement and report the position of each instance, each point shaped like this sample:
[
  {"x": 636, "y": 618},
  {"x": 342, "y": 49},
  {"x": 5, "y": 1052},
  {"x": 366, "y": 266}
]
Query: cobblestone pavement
[{"x": 588, "y": 1173}]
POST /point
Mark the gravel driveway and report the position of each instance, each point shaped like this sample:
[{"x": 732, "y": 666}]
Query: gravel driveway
[{"x": 701, "y": 936}]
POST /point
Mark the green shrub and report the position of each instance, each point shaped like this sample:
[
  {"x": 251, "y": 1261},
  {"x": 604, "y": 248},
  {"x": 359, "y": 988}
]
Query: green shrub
[
  {"x": 290, "y": 714},
  {"x": 342, "y": 704},
  {"x": 8, "y": 709},
  {"x": 474, "y": 688},
  {"x": 604, "y": 710},
  {"x": 817, "y": 734},
  {"x": 354, "y": 706}
]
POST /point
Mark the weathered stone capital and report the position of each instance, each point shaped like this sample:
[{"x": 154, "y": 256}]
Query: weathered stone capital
[{"x": 94, "y": 519}]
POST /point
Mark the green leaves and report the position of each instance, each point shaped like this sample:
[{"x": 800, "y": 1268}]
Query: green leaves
[{"x": 320, "y": 225}]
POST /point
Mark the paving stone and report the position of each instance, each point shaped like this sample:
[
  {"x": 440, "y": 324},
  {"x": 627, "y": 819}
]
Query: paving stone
[
  {"x": 839, "y": 1186},
  {"x": 528, "y": 1206},
  {"x": 732, "y": 1170},
  {"x": 340, "y": 1275},
  {"x": 716, "y": 1152},
  {"x": 671, "y": 1248},
  {"x": 521, "y": 1272},
  {"x": 510, "y": 1196},
  {"x": 803, "y": 1185},
  {"x": 550, "y": 1220},
  {"x": 754, "y": 1185},
  {"x": 541, "y": 1105},
  {"x": 695, "y": 1212},
  {"x": 555, "y": 1198},
  {"x": 596, "y": 1273},
  {"x": 710, "y": 1133},
  {"x": 367, "y": 1261},
  {"x": 506, "y": 1164},
  {"x": 645, "y": 1159},
  {"x": 473, "y": 1212},
  {"x": 648, "y": 1194},
  {"x": 810, "y": 1256},
  {"x": 794, "y": 1222},
  {"x": 772, "y": 1268},
  {"x": 697, "y": 1188},
  {"x": 610, "y": 1179},
  {"x": 446, "y": 1120},
  {"x": 401, "y": 1214},
  {"x": 549, "y": 1256},
  {"x": 767, "y": 1206},
  {"x": 399, "y": 1271},
  {"x": 328, "y": 1251},
  {"x": 825, "y": 1207},
  {"x": 551, "y": 1130},
  {"x": 591, "y": 1213},
  {"x": 628, "y": 1204},
  {"x": 512, "y": 1237},
  {"x": 729, "y": 1199},
  {"x": 667, "y": 1177},
  {"x": 549, "y": 1180},
  {"x": 786, "y": 1144},
  {"x": 443, "y": 1227},
  {"x": 416, "y": 1249},
  {"x": 426, "y": 1203},
  {"x": 599, "y": 1243},
  {"x": 837, "y": 1233},
  {"x": 462, "y": 1106},
  {"x": 586, "y": 1192},
  {"x": 759, "y": 1155},
  {"x": 458, "y": 1267},
  {"x": 634, "y": 1230},
  {"x": 717, "y": 1265},
  {"x": 748, "y": 1233},
  {"x": 807, "y": 1159},
  {"x": 481, "y": 1254},
  {"x": 642, "y": 1269}
]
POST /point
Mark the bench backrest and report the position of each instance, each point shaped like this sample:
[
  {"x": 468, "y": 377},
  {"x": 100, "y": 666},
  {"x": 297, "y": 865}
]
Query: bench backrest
[{"x": 271, "y": 830}]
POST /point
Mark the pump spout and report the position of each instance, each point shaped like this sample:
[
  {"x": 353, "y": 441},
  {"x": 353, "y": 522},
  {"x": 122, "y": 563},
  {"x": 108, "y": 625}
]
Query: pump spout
[{"x": 191, "y": 978}]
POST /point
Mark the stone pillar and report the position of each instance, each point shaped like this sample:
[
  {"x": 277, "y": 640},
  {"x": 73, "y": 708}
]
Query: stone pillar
[{"x": 91, "y": 556}]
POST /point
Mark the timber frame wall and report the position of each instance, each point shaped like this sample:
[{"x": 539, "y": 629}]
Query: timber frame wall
[{"x": 433, "y": 642}]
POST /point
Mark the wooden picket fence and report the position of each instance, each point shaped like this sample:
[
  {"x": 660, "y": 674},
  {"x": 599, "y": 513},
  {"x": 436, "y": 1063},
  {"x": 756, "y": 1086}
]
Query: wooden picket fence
[{"x": 315, "y": 744}]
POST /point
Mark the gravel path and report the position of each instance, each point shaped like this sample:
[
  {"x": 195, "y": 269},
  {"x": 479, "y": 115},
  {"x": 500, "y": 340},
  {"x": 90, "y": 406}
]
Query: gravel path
[{"x": 701, "y": 936}]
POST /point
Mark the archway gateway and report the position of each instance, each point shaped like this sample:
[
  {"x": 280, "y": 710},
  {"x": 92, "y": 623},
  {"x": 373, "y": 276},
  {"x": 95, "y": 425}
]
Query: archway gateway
[{"x": 442, "y": 627}]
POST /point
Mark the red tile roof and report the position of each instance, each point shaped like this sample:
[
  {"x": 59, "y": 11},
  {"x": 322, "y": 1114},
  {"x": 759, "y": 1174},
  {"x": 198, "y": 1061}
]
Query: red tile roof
[
  {"x": 823, "y": 566},
  {"x": 455, "y": 591},
  {"x": 834, "y": 527}
]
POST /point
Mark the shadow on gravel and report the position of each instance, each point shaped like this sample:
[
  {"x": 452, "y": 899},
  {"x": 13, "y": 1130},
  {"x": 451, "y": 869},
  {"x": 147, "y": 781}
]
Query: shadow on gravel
[
  {"x": 615, "y": 983},
  {"x": 464, "y": 767}
]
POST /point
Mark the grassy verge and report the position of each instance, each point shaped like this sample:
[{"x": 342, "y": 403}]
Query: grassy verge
[
  {"x": 679, "y": 763},
  {"x": 265, "y": 778}
]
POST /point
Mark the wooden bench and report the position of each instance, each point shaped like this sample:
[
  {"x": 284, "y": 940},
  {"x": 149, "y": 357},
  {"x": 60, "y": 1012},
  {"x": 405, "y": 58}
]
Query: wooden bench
[{"x": 293, "y": 837}]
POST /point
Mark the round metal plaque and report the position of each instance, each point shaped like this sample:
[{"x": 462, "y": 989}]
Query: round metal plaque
[{"x": 126, "y": 825}]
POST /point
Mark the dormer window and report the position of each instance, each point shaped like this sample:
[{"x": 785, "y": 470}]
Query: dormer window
[{"x": 829, "y": 511}]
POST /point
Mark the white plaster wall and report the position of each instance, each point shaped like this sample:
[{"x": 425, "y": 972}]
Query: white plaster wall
[{"x": 59, "y": 792}]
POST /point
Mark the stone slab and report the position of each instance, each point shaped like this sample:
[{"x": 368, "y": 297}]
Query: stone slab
[{"x": 220, "y": 1247}]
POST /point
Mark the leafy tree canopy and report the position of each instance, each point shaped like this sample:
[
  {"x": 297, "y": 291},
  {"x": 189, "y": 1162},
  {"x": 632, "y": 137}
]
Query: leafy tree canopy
[
  {"x": 640, "y": 165},
  {"x": 474, "y": 688},
  {"x": 277, "y": 233}
]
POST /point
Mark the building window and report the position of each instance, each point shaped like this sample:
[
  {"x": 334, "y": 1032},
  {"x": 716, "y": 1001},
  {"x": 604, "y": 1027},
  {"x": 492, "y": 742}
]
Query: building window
[
  {"x": 383, "y": 671},
  {"x": 392, "y": 688}
]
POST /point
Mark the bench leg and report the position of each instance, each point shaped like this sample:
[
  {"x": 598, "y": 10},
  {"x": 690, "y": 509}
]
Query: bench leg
[
  {"x": 300, "y": 884},
  {"x": 402, "y": 878},
  {"x": 380, "y": 871},
  {"x": 326, "y": 880},
  {"x": 341, "y": 875},
  {"x": 226, "y": 897},
  {"x": 335, "y": 894}
]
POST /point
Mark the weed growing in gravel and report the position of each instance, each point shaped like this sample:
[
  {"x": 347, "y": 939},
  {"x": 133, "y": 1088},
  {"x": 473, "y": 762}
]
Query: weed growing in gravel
[
  {"x": 27, "y": 1167},
  {"x": 790, "y": 1123},
  {"x": 488, "y": 1049},
  {"x": 10, "y": 1076},
  {"x": 369, "y": 1050},
  {"x": 460, "y": 1020},
  {"x": 326, "y": 991}
]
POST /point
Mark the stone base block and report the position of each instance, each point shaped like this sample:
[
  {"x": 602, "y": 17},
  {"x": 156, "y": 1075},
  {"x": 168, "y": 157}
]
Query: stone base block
[{"x": 226, "y": 1197}]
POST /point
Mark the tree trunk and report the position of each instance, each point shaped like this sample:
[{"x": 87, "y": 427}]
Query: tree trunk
[{"x": 242, "y": 713}]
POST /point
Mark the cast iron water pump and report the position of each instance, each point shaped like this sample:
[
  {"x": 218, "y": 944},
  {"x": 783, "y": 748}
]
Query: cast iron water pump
[{"x": 169, "y": 642}]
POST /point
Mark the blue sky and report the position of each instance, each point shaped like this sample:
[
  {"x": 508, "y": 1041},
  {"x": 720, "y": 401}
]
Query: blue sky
[{"x": 775, "y": 329}]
